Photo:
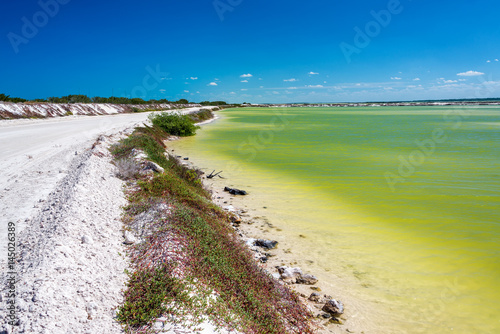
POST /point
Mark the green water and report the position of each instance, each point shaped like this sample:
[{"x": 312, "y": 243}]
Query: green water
[{"x": 400, "y": 204}]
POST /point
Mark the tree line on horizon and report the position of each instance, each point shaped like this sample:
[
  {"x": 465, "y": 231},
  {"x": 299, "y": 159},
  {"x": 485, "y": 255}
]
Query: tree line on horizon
[{"x": 111, "y": 100}]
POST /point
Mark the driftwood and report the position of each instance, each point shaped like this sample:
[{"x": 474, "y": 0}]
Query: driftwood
[{"x": 212, "y": 175}]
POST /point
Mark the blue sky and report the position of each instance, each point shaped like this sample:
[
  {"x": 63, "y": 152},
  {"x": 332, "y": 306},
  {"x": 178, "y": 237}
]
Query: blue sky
[{"x": 251, "y": 50}]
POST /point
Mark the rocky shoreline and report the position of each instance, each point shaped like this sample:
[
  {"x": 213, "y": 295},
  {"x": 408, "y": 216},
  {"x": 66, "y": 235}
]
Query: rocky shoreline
[{"x": 328, "y": 310}]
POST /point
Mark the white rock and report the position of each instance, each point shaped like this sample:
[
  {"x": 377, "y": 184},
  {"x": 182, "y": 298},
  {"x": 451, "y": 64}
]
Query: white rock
[
  {"x": 158, "y": 326},
  {"x": 229, "y": 208},
  {"x": 129, "y": 238},
  {"x": 289, "y": 273},
  {"x": 250, "y": 242},
  {"x": 155, "y": 167}
]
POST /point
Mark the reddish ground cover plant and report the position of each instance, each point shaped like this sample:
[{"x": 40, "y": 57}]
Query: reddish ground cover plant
[{"x": 189, "y": 260}]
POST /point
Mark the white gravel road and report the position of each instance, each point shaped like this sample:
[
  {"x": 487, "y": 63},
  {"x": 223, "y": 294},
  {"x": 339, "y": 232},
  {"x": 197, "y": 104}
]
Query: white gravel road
[{"x": 36, "y": 154}]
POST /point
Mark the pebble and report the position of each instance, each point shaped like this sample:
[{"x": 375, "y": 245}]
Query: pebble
[
  {"x": 315, "y": 297},
  {"x": 86, "y": 239},
  {"x": 307, "y": 279}
]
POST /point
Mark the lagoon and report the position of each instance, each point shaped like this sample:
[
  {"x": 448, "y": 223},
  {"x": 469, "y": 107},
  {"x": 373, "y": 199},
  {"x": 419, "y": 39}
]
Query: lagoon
[{"x": 400, "y": 205}]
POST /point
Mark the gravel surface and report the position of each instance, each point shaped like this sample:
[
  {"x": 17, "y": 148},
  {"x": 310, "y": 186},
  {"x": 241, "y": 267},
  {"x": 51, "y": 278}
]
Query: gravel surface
[
  {"x": 37, "y": 154},
  {"x": 70, "y": 271}
]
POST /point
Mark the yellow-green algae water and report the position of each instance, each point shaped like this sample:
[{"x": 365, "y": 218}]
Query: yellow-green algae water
[{"x": 402, "y": 203}]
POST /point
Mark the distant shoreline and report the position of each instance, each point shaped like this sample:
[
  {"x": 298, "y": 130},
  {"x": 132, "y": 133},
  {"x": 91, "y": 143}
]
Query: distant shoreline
[
  {"x": 380, "y": 104},
  {"x": 12, "y": 110}
]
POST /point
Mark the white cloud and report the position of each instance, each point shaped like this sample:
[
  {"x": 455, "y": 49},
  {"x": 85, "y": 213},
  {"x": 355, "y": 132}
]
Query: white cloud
[
  {"x": 395, "y": 78},
  {"x": 186, "y": 91},
  {"x": 462, "y": 79},
  {"x": 246, "y": 75},
  {"x": 244, "y": 80},
  {"x": 212, "y": 84},
  {"x": 194, "y": 78},
  {"x": 261, "y": 87},
  {"x": 315, "y": 86},
  {"x": 416, "y": 79},
  {"x": 313, "y": 73},
  {"x": 292, "y": 87},
  {"x": 197, "y": 92},
  {"x": 244, "y": 89},
  {"x": 450, "y": 81},
  {"x": 470, "y": 74},
  {"x": 290, "y": 80},
  {"x": 163, "y": 90},
  {"x": 496, "y": 59},
  {"x": 232, "y": 93},
  {"x": 488, "y": 61}
]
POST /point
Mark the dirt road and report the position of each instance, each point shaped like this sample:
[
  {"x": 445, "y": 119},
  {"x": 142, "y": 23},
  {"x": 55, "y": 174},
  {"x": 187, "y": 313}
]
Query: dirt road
[{"x": 36, "y": 155}]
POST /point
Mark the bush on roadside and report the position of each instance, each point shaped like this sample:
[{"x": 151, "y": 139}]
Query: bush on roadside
[
  {"x": 174, "y": 124},
  {"x": 201, "y": 115}
]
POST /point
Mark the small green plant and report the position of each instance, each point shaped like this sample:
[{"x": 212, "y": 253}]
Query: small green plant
[
  {"x": 174, "y": 124},
  {"x": 147, "y": 295}
]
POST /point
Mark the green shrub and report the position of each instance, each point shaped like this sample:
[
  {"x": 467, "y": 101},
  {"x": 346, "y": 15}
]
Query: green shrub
[
  {"x": 201, "y": 115},
  {"x": 174, "y": 124}
]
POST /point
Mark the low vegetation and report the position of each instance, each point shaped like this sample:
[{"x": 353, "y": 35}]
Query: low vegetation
[
  {"x": 190, "y": 261},
  {"x": 81, "y": 98},
  {"x": 174, "y": 124},
  {"x": 8, "y": 98},
  {"x": 201, "y": 116}
]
